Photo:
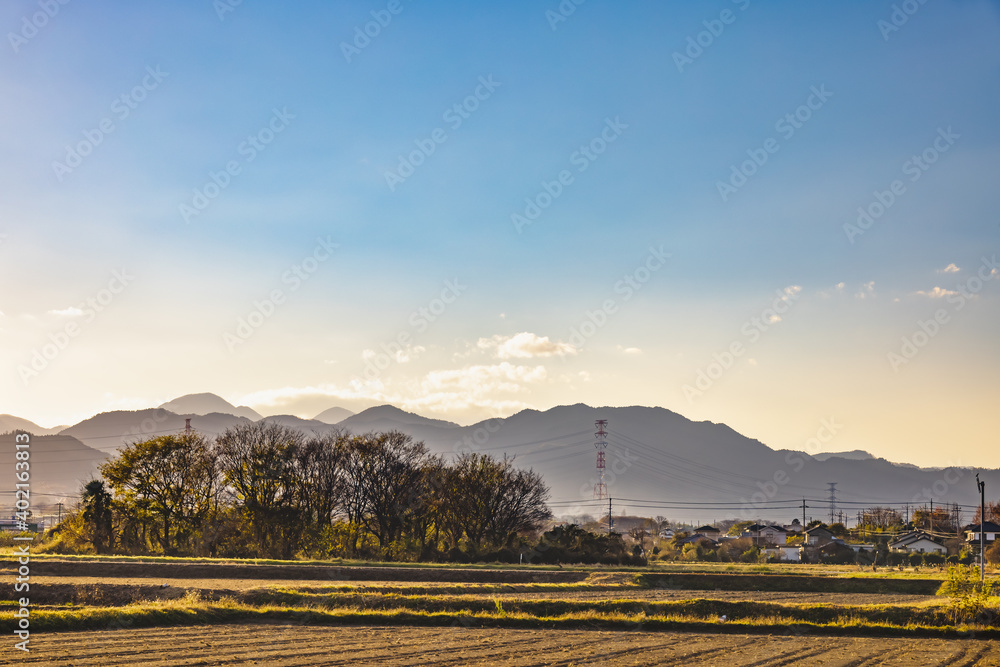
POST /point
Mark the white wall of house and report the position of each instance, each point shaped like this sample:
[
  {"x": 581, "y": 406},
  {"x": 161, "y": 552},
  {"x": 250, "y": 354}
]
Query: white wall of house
[{"x": 923, "y": 546}]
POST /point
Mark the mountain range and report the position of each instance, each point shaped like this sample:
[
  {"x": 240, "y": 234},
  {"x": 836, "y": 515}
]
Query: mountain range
[{"x": 658, "y": 463}]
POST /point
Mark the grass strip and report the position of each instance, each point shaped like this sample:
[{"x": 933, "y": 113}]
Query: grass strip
[{"x": 177, "y": 614}]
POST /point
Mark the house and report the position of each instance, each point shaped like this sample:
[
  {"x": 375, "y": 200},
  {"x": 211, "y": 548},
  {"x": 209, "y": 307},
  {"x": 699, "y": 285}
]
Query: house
[
  {"x": 990, "y": 530},
  {"x": 667, "y": 533},
  {"x": 818, "y": 536},
  {"x": 859, "y": 548},
  {"x": 918, "y": 541},
  {"x": 788, "y": 554},
  {"x": 711, "y": 532},
  {"x": 697, "y": 538},
  {"x": 766, "y": 534},
  {"x": 794, "y": 527}
]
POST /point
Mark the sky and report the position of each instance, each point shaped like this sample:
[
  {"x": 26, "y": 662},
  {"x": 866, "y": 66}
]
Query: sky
[{"x": 781, "y": 216}]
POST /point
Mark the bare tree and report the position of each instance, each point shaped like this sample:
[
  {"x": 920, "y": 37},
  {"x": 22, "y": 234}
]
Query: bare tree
[
  {"x": 387, "y": 473},
  {"x": 170, "y": 479},
  {"x": 258, "y": 461}
]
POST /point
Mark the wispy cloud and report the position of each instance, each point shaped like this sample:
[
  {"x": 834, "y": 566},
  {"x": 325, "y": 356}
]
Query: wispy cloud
[
  {"x": 951, "y": 268},
  {"x": 525, "y": 345},
  {"x": 867, "y": 290},
  {"x": 72, "y": 311},
  {"x": 937, "y": 293}
]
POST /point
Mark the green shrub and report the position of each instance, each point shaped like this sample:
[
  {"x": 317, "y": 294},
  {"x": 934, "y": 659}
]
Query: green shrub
[{"x": 969, "y": 596}]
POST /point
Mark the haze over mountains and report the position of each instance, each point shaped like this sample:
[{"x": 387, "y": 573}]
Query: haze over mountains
[{"x": 658, "y": 462}]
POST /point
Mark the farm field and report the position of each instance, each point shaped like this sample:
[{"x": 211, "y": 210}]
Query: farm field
[
  {"x": 129, "y": 611},
  {"x": 288, "y": 645}
]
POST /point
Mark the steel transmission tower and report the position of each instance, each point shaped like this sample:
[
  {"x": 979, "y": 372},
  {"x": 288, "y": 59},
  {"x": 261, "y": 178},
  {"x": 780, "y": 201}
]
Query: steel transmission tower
[{"x": 601, "y": 434}]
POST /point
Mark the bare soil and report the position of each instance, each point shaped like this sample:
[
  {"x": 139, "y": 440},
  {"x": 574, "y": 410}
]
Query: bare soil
[
  {"x": 288, "y": 645},
  {"x": 125, "y": 590}
]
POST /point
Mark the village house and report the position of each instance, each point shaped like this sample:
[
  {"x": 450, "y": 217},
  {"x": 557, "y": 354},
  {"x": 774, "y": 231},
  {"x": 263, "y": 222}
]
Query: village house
[
  {"x": 990, "y": 530},
  {"x": 918, "y": 542},
  {"x": 818, "y": 536},
  {"x": 711, "y": 532},
  {"x": 762, "y": 534}
]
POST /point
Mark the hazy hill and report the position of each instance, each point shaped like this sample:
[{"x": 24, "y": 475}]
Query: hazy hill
[
  {"x": 307, "y": 426},
  {"x": 333, "y": 415},
  {"x": 654, "y": 456},
  {"x": 10, "y": 423},
  {"x": 204, "y": 404},
  {"x": 854, "y": 455},
  {"x": 60, "y": 465},
  {"x": 109, "y": 431}
]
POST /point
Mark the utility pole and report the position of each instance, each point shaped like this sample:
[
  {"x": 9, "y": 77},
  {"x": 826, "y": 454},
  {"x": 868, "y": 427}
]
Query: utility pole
[
  {"x": 60, "y": 506},
  {"x": 982, "y": 529},
  {"x": 610, "y": 520},
  {"x": 932, "y": 515},
  {"x": 833, "y": 501},
  {"x": 803, "y": 514}
]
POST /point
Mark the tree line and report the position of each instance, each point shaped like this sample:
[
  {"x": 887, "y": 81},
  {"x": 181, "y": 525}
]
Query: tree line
[{"x": 264, "y": 490}]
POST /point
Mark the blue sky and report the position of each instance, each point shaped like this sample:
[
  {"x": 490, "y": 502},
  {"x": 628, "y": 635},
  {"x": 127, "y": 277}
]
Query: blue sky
[{"x": 329, "y": 128}]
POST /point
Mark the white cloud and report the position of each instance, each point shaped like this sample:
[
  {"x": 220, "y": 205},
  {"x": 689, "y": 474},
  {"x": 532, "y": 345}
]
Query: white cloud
[
  {"x": 936, "y": 293},
  {"x": 951, "y": 268},
  {"x": 629, "y": 350},
  {"x": 72, "y": 311},
  {"x": 525, "y": 345},
  {"x": 867, "y": 290},
  {"x": 482, "y": 379}
]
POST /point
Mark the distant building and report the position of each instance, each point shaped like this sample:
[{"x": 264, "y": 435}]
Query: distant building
[
  {"x": 711, "y": 532},
  {"x": 990, "y": 529},
  {"x": 818, "y": 536},
  {"x": 794, "y": 527},
  {"x": 918, "y": 541},
  {"x": 789, "y": 554},
  {"x": 667, "y": 533},
  {"x": 762, "y": 534}
]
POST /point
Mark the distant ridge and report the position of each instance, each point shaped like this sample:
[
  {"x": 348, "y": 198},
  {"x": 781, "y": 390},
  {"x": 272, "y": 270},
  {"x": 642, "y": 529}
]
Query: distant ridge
[
  {"x": 333, "y": 415},
  {"x": 205, "y": 404},
  {"x": 853, "y": 455},
  {"x": 9, "y": 423},
  {"x": 390, "y": 414}
]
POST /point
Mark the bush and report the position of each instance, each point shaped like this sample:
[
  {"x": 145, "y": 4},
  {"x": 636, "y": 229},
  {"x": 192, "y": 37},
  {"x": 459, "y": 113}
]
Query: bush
[
  {"x": 934, "y": 559},
  {"x": 916, "y": 559},
  {"x": 969, "y": 596},
  {"x": 896, "y": 558}
]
